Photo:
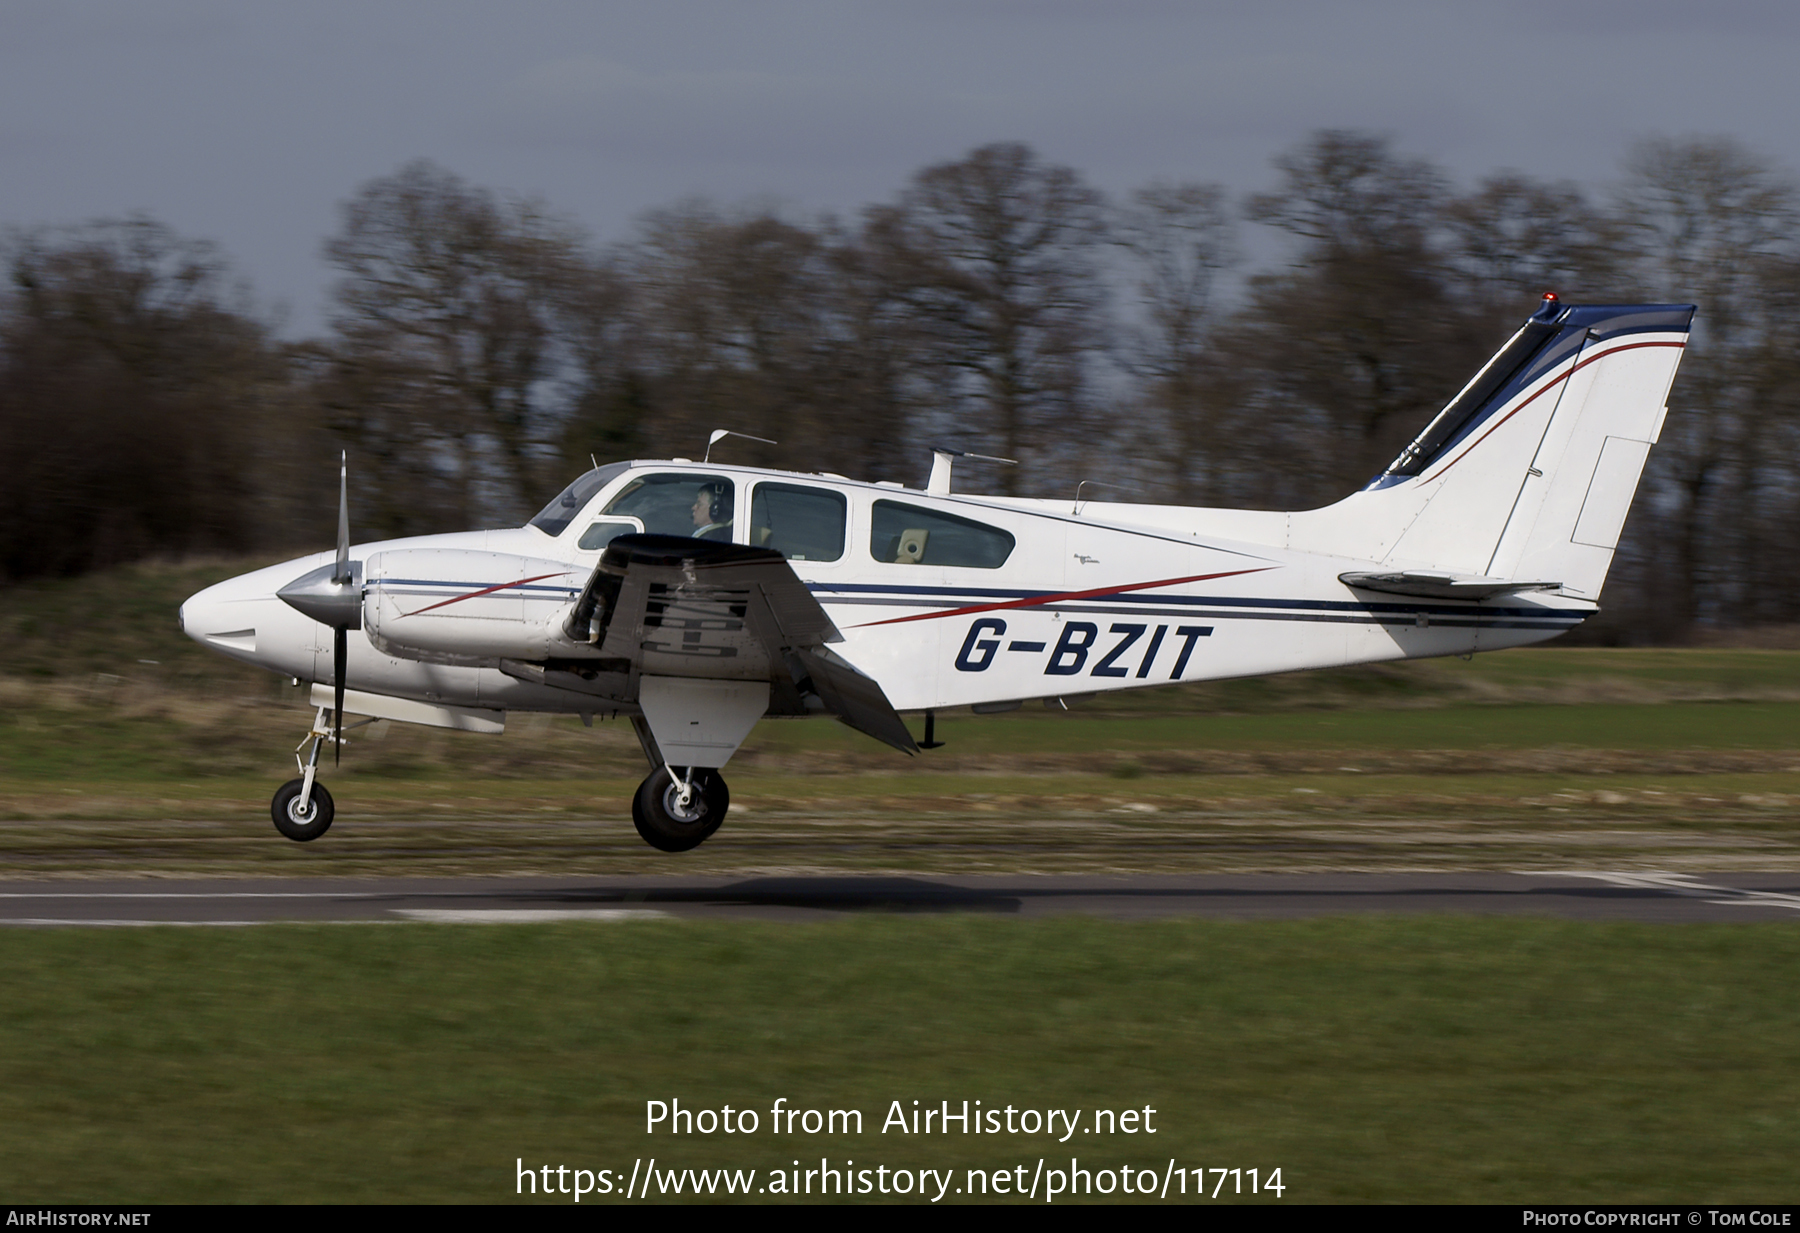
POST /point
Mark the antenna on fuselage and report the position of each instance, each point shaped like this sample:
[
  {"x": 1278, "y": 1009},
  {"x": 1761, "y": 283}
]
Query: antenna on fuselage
[
  {"x": 1084, "y": 484},
  {"x": 939, "y": 483},
  {"x": 719, "y": 434}
]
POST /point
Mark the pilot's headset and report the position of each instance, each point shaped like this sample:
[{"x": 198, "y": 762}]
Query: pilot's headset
[{"x": 718, "y": 505}]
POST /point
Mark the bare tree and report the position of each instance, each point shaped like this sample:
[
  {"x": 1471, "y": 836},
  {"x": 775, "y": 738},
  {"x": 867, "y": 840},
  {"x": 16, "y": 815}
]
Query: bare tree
[
  {"x": 733, "y": 311},
  {"x": 1515, "y": 238},
  {"x": 1180, "y": 237},
  {"x": 137, "y": 402},
  {"x": 995, "y": 257},
  {"x": 606, "y": 396},
  {"x": 1358, "y": 342},
  {"x": 1775, "y": 592},
  {"x": 1711, "y": 223},
  {"x": 750, "y": 321},
  {"x": 446, "y": 337}
]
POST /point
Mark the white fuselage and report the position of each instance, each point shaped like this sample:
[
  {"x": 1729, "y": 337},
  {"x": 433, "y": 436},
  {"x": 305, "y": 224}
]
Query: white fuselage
[{"x": 1089, "y": 598}]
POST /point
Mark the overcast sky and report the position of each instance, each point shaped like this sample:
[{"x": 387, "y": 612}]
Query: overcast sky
[{"x": 247, "y": 123}]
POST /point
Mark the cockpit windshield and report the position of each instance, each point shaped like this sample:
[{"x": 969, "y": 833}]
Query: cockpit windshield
[
  {"x": 555, "y": 517},
  {"x": 683, "y": 504}
]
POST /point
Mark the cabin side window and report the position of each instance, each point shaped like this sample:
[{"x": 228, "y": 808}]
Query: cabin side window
[
  {"x": 802, "y": 523},
  {"x": 699, "y": 506},
  {"x": 911, "y": 535},
  {"x": 605, "y": 531}
]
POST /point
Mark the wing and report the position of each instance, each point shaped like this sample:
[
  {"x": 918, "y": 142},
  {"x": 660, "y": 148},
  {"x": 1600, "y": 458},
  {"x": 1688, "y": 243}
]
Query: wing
[{"x": 671, "y": 607}]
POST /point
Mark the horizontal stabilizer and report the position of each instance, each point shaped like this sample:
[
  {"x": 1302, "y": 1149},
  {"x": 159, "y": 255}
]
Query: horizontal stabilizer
[{"x": 1437, "y": 584}]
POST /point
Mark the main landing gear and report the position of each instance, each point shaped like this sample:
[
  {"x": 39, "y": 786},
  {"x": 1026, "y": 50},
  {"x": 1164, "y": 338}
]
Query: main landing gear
[
  {"x": 302, "y": 808},
  {"x": 677, "y": 808}
]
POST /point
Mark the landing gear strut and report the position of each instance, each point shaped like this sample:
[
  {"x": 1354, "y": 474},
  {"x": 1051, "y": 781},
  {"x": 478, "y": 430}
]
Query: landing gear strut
[
  {"x": 678, "y": 811},
  {"x": 302, "y": 808}
]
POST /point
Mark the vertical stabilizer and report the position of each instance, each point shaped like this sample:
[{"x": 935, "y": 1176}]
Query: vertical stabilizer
[
  {"x": 1572, "y": 505},
  {"x": 1529, "y": 472}
]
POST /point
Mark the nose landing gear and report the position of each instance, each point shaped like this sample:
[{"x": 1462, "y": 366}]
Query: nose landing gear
[
  {"x": 302, "y": 813},
  {"x": 302, "y": 808}
]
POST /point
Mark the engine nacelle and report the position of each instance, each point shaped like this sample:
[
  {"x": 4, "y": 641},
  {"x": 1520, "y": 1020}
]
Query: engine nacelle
[{"x": 455, "y": 605}]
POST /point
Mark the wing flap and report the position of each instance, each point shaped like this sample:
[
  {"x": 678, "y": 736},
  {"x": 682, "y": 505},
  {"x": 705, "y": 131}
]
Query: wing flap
[{"x": 854, "y": 698}]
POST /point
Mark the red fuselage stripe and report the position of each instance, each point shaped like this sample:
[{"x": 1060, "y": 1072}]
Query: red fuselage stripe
[
  {"x": 1039, "y": 601},
  {"x": 484, "y": 591}
]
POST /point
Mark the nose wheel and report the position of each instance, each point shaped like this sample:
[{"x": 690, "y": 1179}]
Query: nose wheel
[
  {"x": 302, "y": 808},
  {"x": 678, "y": 811},
  {"x": 298, "y": 815}
]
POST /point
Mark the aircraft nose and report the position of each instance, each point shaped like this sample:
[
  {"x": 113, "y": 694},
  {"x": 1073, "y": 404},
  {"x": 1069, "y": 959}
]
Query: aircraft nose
[
  {"x": 219, "y": 616},
  {"x": 241, "y": 617}
]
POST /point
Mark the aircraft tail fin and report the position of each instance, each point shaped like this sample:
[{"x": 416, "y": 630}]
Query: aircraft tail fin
[{"x": 1529, "y": 472}]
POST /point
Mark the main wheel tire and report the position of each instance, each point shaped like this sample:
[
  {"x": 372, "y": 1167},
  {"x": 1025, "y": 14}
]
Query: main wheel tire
[
  {"x": 290, "y": 820},
  {"x": 657, "y": 812}
]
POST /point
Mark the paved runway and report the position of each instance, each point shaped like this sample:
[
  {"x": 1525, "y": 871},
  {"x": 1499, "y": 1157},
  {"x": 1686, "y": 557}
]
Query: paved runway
[{"x": 1584, "y": 895}]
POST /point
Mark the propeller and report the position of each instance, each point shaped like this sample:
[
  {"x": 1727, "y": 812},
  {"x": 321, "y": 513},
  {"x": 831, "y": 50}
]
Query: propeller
[
  {"x": 340, "y": 639},
  {"x": 332, "y": 595}
]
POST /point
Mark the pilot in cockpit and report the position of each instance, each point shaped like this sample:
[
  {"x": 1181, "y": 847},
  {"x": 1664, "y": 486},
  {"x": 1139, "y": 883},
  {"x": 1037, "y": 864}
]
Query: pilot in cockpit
[{"x": 712, "y": 512}]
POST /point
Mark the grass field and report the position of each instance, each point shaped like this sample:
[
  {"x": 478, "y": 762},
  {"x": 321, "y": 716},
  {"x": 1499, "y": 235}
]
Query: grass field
[
  {"x": 1496, "y": 1060},
  {"x": 1370, "y": 1060}
]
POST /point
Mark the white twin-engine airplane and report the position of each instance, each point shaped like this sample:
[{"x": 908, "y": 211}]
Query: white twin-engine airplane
[{"x": 696, "y": 598}]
